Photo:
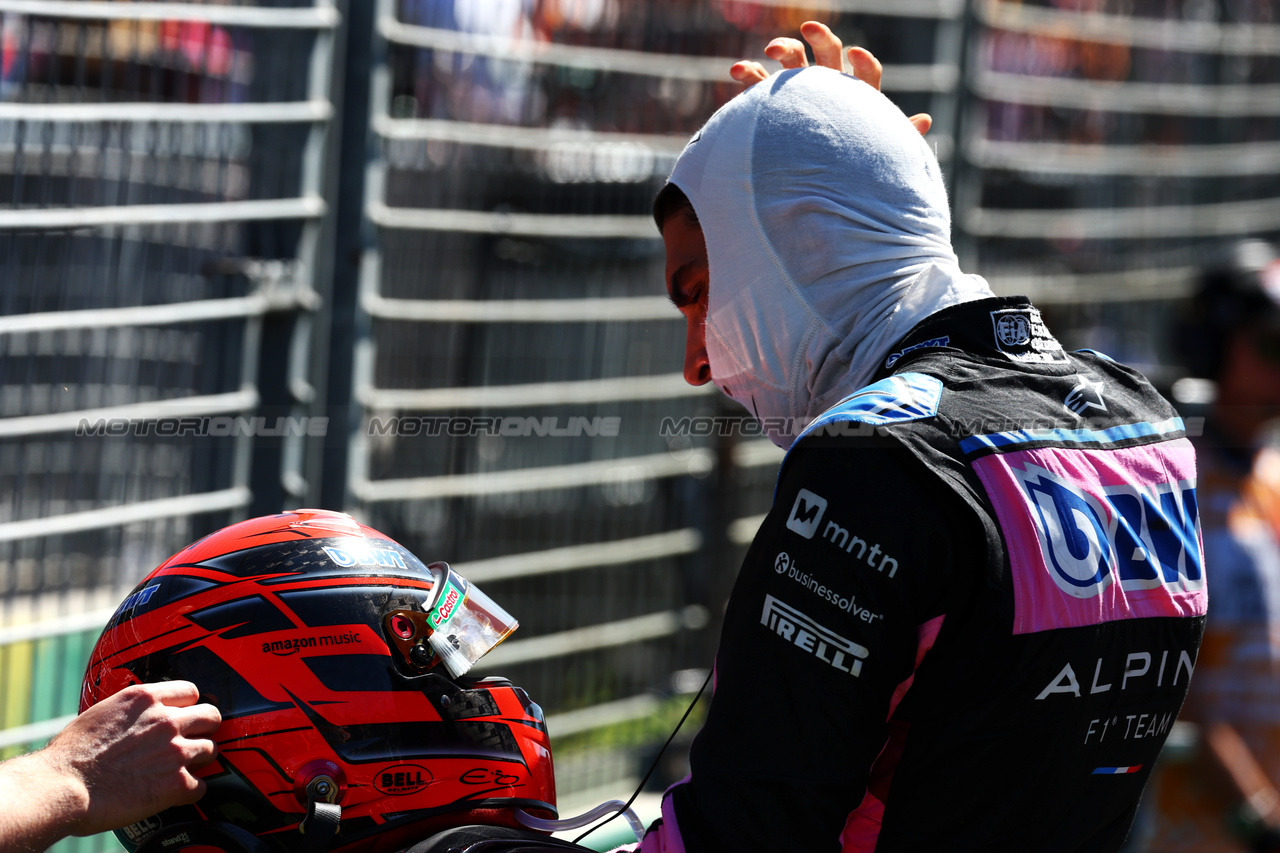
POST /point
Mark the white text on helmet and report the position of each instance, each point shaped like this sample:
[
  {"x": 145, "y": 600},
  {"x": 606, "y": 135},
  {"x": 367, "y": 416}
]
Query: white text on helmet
[{"x": 366, "y": 557}]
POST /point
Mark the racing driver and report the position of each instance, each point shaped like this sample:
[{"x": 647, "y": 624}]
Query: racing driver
[{"x": 971, "y": 615}]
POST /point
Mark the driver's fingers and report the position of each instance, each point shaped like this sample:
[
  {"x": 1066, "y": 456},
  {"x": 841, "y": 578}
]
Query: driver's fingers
[
  {"x": 865, "y": 66},
  {"x": 869, "y": 70},
  {"x": 826, "y": 46},
  {"x": 788, "y": 51},
  {"x": 748, "y": 72}
]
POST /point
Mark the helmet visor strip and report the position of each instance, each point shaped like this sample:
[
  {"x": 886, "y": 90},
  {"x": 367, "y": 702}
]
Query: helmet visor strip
[{"x": 458, "y": 628}]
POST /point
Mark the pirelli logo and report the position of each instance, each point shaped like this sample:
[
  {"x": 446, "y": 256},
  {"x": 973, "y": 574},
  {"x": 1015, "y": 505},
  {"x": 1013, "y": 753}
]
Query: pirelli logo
[{"x": 799, "y": 630}]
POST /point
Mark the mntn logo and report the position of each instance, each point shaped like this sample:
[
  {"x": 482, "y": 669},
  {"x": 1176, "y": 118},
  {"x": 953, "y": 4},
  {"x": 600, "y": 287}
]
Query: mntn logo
[
  {"x": 1145, "y": 537},
  {"x": 806, "y": 513}
]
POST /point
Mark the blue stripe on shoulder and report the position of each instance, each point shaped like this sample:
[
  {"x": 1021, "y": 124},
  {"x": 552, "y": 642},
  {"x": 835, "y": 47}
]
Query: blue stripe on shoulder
[
  {"x": 1067, "y": 437},
  {"x": 1101, "y": 355},
  {"x": 895, "y": 399}
]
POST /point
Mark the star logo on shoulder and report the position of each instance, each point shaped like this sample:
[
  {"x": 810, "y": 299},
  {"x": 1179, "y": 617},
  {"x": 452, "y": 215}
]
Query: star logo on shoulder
[{"x": 1086, "y": 395}]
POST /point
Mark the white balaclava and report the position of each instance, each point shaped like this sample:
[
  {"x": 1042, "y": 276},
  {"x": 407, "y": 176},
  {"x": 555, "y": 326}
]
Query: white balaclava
[{"x": 828, "y": 237}]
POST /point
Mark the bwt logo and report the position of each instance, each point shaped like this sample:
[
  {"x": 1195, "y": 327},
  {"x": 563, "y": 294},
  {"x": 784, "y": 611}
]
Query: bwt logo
[
  {"x": 139, "y": 598},
  {"x": 384, "y": 557},
  {"x": 806, "y": 513},
  {"x": 1142, "y": 537}
]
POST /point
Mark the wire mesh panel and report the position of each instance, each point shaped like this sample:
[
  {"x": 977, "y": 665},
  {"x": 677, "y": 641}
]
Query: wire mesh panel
[
  {"x": 161, "y": 200},
  {"x": 524, "y": 416}
]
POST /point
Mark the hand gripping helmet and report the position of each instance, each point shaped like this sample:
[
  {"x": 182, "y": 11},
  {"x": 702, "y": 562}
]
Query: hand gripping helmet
[{"x": 337, "y": 660}]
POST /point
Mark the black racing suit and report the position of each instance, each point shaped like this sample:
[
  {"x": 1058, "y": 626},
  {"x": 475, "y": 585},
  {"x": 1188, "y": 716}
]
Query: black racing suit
[{"x": 970, "y": 618}]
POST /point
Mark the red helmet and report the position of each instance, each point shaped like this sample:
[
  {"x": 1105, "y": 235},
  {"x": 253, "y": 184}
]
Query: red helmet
[{"x": 334, "y": 656}]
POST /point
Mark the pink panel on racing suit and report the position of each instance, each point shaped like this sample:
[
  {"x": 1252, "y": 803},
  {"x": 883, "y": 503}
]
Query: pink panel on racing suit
[
  {"x": 862, "y": 828},
  {"x": 1098, "y": 535},
  {"x": 663, "y": 837},
  {"x": 926, "y": 636}
]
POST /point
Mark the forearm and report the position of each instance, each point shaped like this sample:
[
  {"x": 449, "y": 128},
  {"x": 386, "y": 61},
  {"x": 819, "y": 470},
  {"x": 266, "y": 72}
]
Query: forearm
[{"x": 41, "y": 803}]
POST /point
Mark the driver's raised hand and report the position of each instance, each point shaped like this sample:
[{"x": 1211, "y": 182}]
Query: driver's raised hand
[{"x": 829, "y": 52}]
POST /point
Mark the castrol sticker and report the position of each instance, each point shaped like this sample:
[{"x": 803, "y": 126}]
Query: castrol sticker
[{"x": 444, "y": 610}]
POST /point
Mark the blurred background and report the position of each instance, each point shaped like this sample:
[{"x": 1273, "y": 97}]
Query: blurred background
[{"x": 396, "y": 258}]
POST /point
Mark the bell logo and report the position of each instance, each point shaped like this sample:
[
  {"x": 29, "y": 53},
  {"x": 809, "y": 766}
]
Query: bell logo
[
  {"x": 806, "y": 513},
  {"x": 137, "y": 832},
  {"x": 402, "y": 779}
]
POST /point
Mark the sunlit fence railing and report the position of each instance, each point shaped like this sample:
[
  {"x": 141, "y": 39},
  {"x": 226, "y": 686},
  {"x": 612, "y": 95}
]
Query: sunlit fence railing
[
  {"x": 163, "y": 192},
  {"x": 1118, "y": 148}
]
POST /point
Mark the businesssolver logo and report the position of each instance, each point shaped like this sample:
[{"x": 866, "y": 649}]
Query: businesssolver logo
[{"x": 806, "y": 513}]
